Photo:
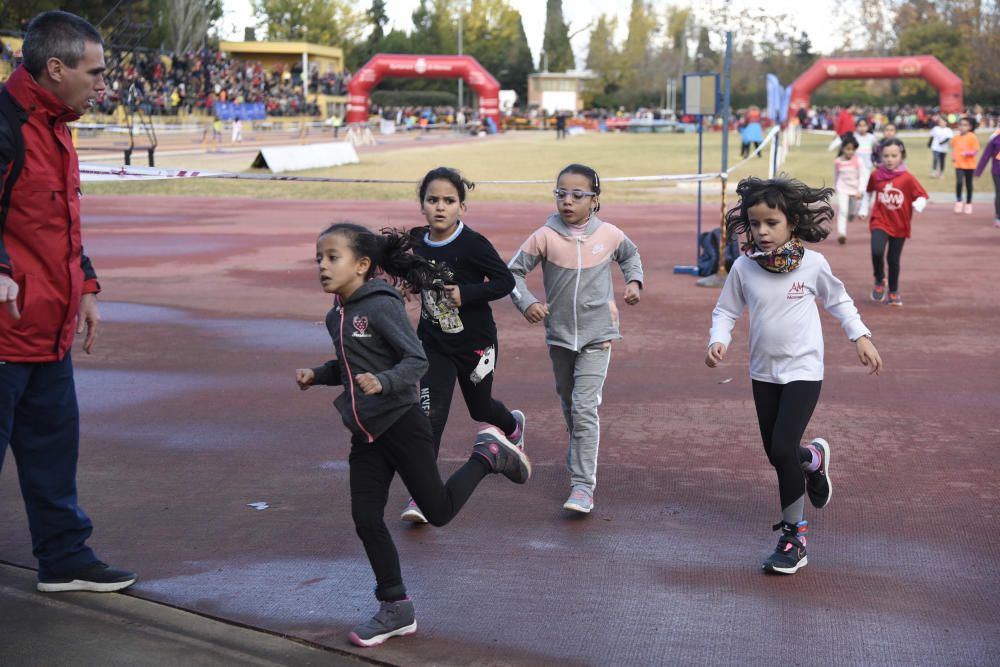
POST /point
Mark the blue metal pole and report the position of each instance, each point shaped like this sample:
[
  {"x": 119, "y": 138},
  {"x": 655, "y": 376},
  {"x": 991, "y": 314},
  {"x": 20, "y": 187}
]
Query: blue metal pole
[{"x": 697, "y": 248}]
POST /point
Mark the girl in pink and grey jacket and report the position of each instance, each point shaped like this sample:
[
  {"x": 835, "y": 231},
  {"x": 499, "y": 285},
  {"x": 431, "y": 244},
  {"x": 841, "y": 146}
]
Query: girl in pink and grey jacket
[{"x": 576, "y": 249}]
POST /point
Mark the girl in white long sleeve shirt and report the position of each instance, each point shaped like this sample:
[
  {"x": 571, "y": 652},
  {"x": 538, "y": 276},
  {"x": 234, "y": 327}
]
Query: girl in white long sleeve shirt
[{"x": 778, "y": 280}]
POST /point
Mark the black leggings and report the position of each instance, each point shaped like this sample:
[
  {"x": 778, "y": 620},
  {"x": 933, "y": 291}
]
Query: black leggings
[
  {"x": 996, "y": 196},
  {"x": 405, "y": 448},
  {"x": 880, "y": 239},
  {"x": 966, "y": 175},
  {"x": 438, "y": 385},
  {"x": 938, "y": 162},
  {"x": 783, "y": 412}
]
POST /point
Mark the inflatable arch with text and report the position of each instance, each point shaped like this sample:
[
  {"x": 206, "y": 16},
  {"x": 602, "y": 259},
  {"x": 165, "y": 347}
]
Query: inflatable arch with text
[
  {"x": 384, "y": 65},
  {"x": 929, "y": 68}
]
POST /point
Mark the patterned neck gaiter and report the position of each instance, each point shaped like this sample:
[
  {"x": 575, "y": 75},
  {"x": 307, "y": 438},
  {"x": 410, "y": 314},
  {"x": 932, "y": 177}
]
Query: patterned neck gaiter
[{"x": 780, "y": 260}]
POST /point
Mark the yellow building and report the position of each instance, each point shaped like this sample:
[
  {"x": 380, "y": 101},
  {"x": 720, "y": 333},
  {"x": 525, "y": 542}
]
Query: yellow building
[{"x": 327, "y": 59}]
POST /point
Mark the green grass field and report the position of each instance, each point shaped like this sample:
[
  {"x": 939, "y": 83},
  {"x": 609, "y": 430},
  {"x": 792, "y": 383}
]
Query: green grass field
[{"x": 521, "y": 156}]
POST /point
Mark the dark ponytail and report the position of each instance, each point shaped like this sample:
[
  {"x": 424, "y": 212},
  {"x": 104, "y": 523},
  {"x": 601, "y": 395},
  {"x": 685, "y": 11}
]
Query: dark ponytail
[{"x": 390, "y": 252}]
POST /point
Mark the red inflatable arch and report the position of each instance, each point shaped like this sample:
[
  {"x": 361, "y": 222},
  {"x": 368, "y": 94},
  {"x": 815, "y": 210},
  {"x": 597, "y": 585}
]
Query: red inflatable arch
[
  {"x": 931, "y": 69},
  {"x": 385, "y": 65}
]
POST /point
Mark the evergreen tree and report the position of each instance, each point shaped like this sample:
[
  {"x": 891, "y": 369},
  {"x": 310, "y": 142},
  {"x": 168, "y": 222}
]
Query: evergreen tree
[
  {"x": 557, "y": 54},
  {"x": 603, "y": 58},
  {"x": 637, "y": 51},
  {"x": 705, "y": 59}
]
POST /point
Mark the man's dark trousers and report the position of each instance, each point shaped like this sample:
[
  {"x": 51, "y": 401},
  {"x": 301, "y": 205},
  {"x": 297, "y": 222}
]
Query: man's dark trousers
[{"x": 40, "y": 419}]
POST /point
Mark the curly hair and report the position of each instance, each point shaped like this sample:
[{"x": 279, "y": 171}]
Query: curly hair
[
  {"x": 390, "y": 251},
  {"x": 807, "y": 209}
]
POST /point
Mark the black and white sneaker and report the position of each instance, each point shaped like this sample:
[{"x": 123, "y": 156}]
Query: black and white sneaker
[
  {"x": 790, "y": 555},
  {"x": 97, "y": 577},
  {"x": 393, "y": 619},
  {"x": 503, "y": 456},
  {"x": 818, "y": 484}
]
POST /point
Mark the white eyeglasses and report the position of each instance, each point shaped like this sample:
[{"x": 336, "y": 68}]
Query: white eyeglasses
[{"x": 576, "y": 194}]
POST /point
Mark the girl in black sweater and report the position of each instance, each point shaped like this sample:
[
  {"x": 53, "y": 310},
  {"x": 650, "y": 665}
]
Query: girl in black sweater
[{"x": 456, "y": 322}]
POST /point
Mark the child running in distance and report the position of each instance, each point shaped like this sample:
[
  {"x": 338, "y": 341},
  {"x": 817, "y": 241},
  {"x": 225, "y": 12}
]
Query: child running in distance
[
  {"x": 941, "y": 136},
  {"x": 849, "y": 182},
  {"x": 965, "y": 147},
  {"x": 897, "y": 193},
  {"x": 456, "y": 323},
  {"x": 991, "y": 155},
  {"x": 779, "y": 280},
  {"x": 379, "y": 361},
  {"x": 576, "y": 249},
  {"x": 866, "y": 142}
]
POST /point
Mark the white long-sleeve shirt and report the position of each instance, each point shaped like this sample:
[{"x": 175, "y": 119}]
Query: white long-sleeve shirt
[{"x": 786, "y": 339}]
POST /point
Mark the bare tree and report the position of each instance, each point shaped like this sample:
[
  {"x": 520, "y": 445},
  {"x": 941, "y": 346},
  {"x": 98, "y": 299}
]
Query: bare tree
[{"x": 188, "y": 22}]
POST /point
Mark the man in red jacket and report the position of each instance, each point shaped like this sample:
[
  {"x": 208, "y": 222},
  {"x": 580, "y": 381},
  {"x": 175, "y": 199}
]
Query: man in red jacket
[{"x": 48, "y": 292}]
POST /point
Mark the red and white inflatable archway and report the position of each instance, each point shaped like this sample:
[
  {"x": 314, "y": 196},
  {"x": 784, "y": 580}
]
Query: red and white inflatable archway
[
  {"x": 929, "y": 68},
  {"x": 385, "y": 65}
]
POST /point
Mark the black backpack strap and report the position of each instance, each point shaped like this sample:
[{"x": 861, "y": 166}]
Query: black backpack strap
[{"x": 9, "y": 114}]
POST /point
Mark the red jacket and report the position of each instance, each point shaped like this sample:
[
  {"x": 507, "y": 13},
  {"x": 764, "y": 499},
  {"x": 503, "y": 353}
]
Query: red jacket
[{"x": 40, "y": 246}]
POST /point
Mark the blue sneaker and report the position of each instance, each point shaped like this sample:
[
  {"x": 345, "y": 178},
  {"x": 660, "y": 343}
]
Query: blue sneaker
[{"x": 581, "y": 499}]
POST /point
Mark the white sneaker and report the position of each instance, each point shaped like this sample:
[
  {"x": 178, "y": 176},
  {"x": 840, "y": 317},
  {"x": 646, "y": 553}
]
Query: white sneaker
[
  {"x": 412, "y": 513},
  {"x": 958, "y": 207},
  {"x": 581, "y": 499},
  {"x": 968, "y": 209}
]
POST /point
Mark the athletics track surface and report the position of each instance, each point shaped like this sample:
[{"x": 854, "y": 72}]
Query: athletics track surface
[{"x": 190, "y": 412}]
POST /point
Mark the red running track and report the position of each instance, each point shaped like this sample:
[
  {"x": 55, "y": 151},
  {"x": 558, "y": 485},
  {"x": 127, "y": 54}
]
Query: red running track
[{"x": 190, "y": 412}]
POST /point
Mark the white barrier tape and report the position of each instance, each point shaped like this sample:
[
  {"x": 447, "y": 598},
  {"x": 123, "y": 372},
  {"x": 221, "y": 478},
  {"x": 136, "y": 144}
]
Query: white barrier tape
[{"x": 99, "y": 172}]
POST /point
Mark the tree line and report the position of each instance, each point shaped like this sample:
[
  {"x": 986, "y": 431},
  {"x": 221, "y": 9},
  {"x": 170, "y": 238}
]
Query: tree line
[{"x": 660, "y": 42}]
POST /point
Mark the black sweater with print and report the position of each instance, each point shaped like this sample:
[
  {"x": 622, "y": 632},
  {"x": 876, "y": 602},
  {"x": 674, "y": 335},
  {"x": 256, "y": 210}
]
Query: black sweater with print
[{"x": 475, "y": 266}]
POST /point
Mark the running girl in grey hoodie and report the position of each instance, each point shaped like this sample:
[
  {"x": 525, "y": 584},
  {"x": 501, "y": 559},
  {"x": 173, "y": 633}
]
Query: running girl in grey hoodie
[
  {"x": 379, "y": 362},
  {"x": 576, "y": 250}
]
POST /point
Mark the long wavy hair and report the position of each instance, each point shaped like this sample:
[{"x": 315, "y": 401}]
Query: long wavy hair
[{"x": 807, "y": 209}]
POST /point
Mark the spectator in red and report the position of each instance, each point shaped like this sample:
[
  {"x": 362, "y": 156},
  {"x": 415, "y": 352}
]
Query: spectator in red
[{"x": 845, "y": 122}]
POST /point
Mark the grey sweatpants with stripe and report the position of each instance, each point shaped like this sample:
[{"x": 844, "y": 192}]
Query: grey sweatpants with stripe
[{"x": 579, "y": 382}]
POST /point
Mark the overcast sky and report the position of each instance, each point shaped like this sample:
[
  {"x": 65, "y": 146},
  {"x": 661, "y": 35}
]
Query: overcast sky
[{"x": 819, "y": 20}]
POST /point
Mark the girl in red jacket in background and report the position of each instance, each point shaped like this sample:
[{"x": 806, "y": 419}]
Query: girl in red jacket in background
[{"x": 897, "y": 194}]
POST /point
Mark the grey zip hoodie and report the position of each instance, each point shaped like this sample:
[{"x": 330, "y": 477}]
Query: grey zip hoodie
[
  {"x": 576, "y": 272},
  {"x": 371, "y": 334}
]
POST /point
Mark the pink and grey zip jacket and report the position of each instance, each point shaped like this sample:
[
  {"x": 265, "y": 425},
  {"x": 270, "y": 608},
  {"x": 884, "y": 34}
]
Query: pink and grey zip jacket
[
  {"x": 576, "y": 272},
  {"x": 371, "y": 334}
]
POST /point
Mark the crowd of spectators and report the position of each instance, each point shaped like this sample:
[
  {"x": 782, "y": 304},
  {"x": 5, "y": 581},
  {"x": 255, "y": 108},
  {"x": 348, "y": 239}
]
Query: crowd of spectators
[
  {"x": 905, "y": 117},
  {"x": 166, "y": 84}
]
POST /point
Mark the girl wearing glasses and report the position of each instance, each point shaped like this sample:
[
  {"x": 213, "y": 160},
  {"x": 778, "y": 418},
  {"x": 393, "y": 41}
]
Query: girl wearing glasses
[{"x": 576, "y": 249}]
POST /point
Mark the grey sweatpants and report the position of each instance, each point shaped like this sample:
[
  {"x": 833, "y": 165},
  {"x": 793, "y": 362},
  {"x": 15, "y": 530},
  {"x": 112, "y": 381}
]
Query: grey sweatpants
[{"x": 579, "y": 382}]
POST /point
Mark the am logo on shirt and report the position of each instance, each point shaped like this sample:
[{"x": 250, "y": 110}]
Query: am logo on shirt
[{"x": 797, "y": 291}]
